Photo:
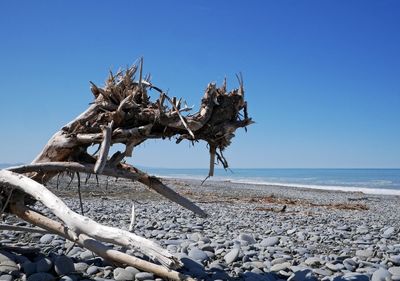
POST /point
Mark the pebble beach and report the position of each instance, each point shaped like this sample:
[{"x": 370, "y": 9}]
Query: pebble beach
[{"x": 252, "y": 232}]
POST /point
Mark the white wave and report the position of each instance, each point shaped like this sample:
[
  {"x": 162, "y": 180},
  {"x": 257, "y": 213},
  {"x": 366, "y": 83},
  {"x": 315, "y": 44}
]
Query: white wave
[
  {"x": 366, "y": 190},
  {"x": 254, "y": 181}
]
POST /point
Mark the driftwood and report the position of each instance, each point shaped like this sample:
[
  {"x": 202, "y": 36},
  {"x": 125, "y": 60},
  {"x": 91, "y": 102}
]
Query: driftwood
[{"x": 122, "y": 112}]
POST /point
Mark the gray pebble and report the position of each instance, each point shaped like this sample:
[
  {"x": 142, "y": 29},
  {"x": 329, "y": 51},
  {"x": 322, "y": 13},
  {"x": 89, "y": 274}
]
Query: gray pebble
[
  {"x": 395, "y": 270},
  {"x": 395, "y": 259},
  {"x": 92, "y": 269},
  {"x": 63, "y": 265},
  {"x": 248, "y": 238},
  {"x": 86, "y": 255},
  {"x": 280, "y": 266},
  {"x": 380, "y": 275},
  {"x": 132, "y": 270},
  {"x": 7, "y": 265},
  {"x": 120, "y": 274},
  {"x": 232, "y": 255},
  {"x": 28, "y": 268},
  {"x": 81, "y": 266},
  {"x": 270, "y": 241},
  {"x": 198, "y": 254},
  {"x": 46, "y": 239},
  {"x": 141, "y": 276},
  {"x": 313, "y": 261},
  {"x": 334, "y": 267},
  {"x": 364, "y": 253},
  {"x": 6, "y": 277},
  {"x": 388, "y": 232},
  {"x": 44, "y": 265}
]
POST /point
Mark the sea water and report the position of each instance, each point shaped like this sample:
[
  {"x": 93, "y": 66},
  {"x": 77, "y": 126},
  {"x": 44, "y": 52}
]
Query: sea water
[{"x": 370, "y": 181}]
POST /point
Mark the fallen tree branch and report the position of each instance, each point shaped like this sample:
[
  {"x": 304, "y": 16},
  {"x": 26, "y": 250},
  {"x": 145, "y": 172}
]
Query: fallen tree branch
[
  {"x": 104, "y": 149},
  {"x": 22, "y": 228},
  {"x": 95, "y": 246},
  {"x": 79, "y": 224},
  {"x": 124, "y": 171}
]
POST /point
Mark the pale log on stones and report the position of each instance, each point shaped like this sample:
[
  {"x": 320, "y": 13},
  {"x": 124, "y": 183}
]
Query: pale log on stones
[{"x": 123, "y": 112}]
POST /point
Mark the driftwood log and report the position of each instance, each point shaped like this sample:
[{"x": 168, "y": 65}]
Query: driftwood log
[{"x": 122, "y": 112}]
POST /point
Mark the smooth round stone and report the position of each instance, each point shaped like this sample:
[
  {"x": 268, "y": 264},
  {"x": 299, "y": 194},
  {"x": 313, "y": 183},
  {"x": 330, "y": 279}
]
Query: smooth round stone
[
  {"x": 395, "y": 270},
  {"x": 173, "y": 242},
  {"x": 8, "y": 266},
  {"x": 92, "y": 270},
  {"x": 74, "y": 251},
  {"x": 313, "y": 261},
  {"x": 388, "y": 232},
  {"x": 46, "y": 239},
  {"x": 364, "y": 253},
  {"x": 6, "y": 277},
  {"x": 142, "y": 276},
  {"x": 362, "y": 230},
  {"x": 81, "y": 267},
  {"x": 270, "y": 241},
  {"x": 248, "y": 238},
  {"x": 278, "y": 261},
  {"x": 380, "y": 275},
  {"x": 197, "y": 254},
  {"x": 44, "y": 265},
  {"x": 334, "y": 267},
  {"x": 279, "y": 266},
  {"x": 41, "y": 276},
  {"x": 120, "y": 274},
  {"x": 132, "y": 270},
  {"x": 350, "y": 264},
  {"x": 63, "y": 265},
  {"x": 28, "y": 268},
  {"x": 395, "y": 259},
  {"x": 86, "y": 255},
  {"x": 232, "y": 255}
]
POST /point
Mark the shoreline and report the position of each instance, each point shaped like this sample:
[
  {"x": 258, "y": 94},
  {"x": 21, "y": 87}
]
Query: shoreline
[
  {"x": 363, "y": 189},
  {"x": 252, "y": 233}
]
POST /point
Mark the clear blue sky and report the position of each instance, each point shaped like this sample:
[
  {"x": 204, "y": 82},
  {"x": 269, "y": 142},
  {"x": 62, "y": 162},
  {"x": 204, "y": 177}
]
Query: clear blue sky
[{"x": 322, "y": 78}]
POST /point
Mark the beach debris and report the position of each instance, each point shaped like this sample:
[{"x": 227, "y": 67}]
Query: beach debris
[{"x": 122, "y": 113}]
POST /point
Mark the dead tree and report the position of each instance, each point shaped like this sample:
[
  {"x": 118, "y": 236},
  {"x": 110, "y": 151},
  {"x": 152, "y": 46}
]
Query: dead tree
[{"x": 122, "y": 112}]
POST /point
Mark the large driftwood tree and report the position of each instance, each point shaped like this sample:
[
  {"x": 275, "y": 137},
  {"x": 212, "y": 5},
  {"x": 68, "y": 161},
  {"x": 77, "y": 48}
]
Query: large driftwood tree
[{"x": 122, "y": 112}]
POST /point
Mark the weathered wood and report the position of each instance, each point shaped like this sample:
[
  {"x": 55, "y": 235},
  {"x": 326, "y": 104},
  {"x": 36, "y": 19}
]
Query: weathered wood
[
  {"x": 123, "y": 171},
  {"x": 104, "y": 149},
  {"x": 123, "y": 113},
  {"x": 93, "y": 245},
  {"x": 79, "y": 224}
]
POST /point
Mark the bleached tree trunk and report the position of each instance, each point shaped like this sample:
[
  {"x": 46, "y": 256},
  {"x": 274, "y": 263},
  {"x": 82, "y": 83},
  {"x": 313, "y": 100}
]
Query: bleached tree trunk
[{"x": 122, "y": 112}]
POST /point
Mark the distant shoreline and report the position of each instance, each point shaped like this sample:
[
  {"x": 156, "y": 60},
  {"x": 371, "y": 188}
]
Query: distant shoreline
[{"x": 333, "y": 188}]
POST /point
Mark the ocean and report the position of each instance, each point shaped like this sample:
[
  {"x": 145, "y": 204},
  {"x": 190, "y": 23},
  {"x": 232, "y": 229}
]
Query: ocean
[{"x": 370, "y": 181}]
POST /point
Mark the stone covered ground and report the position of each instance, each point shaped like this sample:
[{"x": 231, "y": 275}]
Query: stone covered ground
[{"x": 253, "y": 232}]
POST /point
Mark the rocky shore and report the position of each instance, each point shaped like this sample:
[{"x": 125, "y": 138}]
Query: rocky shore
[{"x": 253, "y": 232}]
